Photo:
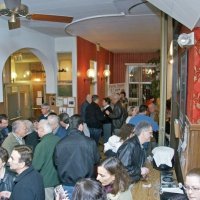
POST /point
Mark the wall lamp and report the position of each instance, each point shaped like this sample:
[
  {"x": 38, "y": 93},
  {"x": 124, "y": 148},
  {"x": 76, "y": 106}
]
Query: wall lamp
[
  {"x": 106, "y": 74},
  {"x": 186, "y": 40},
  {"x": 91, "y": 75}
]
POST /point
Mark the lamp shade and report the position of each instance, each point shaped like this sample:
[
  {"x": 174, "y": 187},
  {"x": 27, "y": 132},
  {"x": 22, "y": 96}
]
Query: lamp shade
[
  {"x": 106, "y": 73},
  {"x": 91, "y": 73}
]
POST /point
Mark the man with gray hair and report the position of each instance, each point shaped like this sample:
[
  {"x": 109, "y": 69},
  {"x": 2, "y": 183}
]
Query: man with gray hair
[
  {"x": 19, "y": 130},
  {"x": 132, "y": 154},
  {"x": 43, "y": 158},
  {"x": 45, "y": 109},
  {"x": 57, "y": 130}
]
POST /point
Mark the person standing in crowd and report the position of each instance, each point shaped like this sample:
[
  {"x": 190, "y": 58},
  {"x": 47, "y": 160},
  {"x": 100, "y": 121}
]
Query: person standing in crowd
[
  {"x": 192, "y": 184},
  {"x": 31, "y": 139},
  {"x": 75, "y": 155},
  {"x": 94, "y": 118},
  {"x": 45, "y": 109},
  {"x": 107, "y": 122},
  {"x": 88, "y": 189},
  {"x": 115, "y": 179},
  {"x": 114, "y": 142},
  {"x": 123, "y": 99},
  {"x": 5, "y": 128},
  {"x": 84, "y": 105},
  {"x": 118, "y": 115},
  {"x": 43, "y": 158},
  {"x": 132, "y": 112},
  {"x": 57, "y": 129},
  {"x": 7, "y": 178},
  {"x": 19, "y": 131},
  {"x": 28, "y": 184},
  {"x": 132, "y": 154}
]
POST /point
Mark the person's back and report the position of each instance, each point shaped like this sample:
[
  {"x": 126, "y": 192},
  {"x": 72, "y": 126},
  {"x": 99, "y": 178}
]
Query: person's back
[{"x": 75, "y": 155}]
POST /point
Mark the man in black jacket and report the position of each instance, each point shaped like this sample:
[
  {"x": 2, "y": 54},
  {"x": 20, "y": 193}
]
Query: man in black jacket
[
  {"x": 118, "y": 115},
  {"x": 94, "y": 118},
  {"x": 75, "y": 155},
  {"x": 132, "y": 154}
]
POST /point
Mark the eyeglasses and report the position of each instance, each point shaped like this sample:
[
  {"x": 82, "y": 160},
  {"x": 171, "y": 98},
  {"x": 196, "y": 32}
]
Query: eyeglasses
[{"x": 193, "y": 188}]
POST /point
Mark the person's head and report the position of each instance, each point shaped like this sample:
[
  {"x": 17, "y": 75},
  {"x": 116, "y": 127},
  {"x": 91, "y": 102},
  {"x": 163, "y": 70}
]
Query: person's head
[
  {"x": 106, "y": 101},
  {"x": 144, "y": 132},
  {"x": 115, "y": 98},
  {"x": 35, "y": 122},
  {"x": 112, "y": 172},
  {"x": 126, "y": 131},
  {"x": 44, "y": 128},
  {"x": 54, "y": 121},
  {"x": 29, "y": 126},
  {"x": 45, "y": 108},
  {"x": 122, "y": 94},
  {"x": 88, "y": 189},
  {"x": 192, "y": 184},
  {"x": 64, "y": 119},
  {"x": 89, "y": 98},
  {"x": 19, "y": 128},
  {"x": 133, "y": 110},
  {"x": 152, "y": 107},
  {"x": 20, "y": 158},
  {"x": 3, "y": 121},
  {"x": 3, "y": 157},
  {"x": 76, "y": 122},
  {"x": 95, "y": 98},
  {"x": 143, "y": 109}
]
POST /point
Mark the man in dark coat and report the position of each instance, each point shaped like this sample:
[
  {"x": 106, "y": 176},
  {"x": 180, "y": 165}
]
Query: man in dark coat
[
  {"x": 75, "y": 155},
  {"x": 29, "y": 183},
  {"x": 94, "y": 118}
]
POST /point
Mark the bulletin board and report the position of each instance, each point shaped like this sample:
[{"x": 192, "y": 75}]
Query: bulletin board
[{"x": 60, "y": 104}]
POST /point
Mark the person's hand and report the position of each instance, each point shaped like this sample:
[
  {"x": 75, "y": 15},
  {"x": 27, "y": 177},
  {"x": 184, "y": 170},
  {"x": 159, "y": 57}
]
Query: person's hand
[
  {"x": 107, "y": 112},
  {"x": 144, "y": 171},
  {"x": 5, "y": 194}
]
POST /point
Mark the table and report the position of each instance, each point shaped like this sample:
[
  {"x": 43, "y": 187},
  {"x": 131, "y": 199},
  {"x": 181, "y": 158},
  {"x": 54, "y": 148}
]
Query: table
[{"x": 144, "y": 193}]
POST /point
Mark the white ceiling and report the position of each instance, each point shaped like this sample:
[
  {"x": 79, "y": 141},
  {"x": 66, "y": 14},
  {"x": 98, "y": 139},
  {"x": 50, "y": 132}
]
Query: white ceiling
[{"x": 107, "y": 22}]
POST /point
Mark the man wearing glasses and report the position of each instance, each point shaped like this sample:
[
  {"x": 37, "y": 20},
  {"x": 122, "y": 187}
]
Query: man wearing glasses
[{"x": 192, "y": 184}]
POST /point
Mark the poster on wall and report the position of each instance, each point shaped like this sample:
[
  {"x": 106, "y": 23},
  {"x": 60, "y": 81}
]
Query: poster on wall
[{"x": 115, "y": 88}]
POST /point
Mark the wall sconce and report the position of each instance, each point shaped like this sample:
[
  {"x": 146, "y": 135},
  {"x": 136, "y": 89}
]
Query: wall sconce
[
  {"x": 106, "y": 74},
  {"x": 13, "y": 76},
  {"x": 186, "y": 40},
  {"x": 91, "y": 75}
]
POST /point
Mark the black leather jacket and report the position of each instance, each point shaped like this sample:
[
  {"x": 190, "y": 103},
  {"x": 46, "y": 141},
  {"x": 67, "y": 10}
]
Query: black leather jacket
[
  {"x": 132, "y": 156},
  {"x": 118, "y": 115},
  {"x": 6, "y": 184}
]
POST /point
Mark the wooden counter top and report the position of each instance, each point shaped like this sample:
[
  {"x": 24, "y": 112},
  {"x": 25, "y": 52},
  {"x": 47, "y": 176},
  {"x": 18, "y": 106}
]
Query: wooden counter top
[{"x": 144, "y": 193}]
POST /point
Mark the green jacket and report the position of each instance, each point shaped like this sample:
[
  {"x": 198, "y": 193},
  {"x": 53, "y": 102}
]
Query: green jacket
[{"x": 43, "y": 160}]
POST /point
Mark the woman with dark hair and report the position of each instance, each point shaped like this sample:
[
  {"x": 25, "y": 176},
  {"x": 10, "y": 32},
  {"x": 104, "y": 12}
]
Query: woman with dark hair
[
  {"x": 88, "y": 189},
  {"x": 114, "y": 142},
  {"x": 7, "y": 178},
  {"x": 115, "y": 179}
]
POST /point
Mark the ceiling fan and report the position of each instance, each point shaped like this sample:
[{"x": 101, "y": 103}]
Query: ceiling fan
[{"x": 14, "y": 9}]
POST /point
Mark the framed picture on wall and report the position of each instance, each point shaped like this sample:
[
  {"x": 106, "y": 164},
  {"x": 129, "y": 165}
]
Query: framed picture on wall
[{"x": 183, "y": 87}]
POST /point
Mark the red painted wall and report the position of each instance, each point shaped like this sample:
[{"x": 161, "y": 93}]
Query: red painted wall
[
  {"x": 193, "y": 88},
  {"x": 119, "y": 60},
  {"x": 87, "y": 51}
]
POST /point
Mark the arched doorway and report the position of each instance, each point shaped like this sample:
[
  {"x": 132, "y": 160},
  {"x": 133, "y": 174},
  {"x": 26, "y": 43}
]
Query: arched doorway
[{"x": 24, "y": 82}]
